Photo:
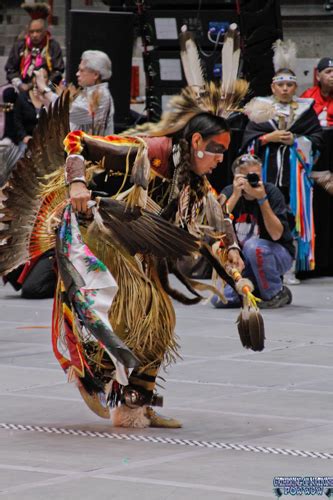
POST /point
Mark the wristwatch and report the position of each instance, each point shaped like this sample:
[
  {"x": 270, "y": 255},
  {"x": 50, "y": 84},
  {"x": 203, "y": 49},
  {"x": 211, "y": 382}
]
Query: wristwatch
[{"x": 261, "y": 201}]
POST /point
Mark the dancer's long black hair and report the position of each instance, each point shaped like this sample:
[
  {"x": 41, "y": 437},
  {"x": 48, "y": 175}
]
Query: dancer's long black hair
[{"x": 207, "y": 125}]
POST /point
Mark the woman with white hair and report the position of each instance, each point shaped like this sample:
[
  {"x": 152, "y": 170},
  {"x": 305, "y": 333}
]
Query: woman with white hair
[{"x": 92, "y": 109}]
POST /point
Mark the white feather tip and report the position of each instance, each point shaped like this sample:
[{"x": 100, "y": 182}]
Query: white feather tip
[
  {"x": 258, "y": 111},
  {"x": 285, "y": 55}
]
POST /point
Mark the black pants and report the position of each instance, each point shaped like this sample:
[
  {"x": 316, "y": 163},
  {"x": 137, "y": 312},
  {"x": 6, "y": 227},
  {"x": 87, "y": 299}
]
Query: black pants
[{"x": 41, "y": 281}]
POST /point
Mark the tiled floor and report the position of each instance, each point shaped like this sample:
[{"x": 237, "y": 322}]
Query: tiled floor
[{"x": 280, "y": 399}]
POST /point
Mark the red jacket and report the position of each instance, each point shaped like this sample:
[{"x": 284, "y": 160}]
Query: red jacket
[{"x": 321, "y": 102}]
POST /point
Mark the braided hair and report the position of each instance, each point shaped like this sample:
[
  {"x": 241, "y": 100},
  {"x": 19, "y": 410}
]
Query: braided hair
[{"x": 207, "y": 125}]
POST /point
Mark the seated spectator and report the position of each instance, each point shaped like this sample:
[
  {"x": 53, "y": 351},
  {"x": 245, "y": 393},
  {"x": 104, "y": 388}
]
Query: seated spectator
[
  {"x": 92, "y": 109},
  {"x": 36, "y": 279},
  {"x": 36, "y": 49},
  {"x": 261, "y": 225},
  {"x": 27, "y": 108},
  {"x": 9, "y": 152},
  {"x": 8, "y": 96},
  {"x": 322, "y": 93}
]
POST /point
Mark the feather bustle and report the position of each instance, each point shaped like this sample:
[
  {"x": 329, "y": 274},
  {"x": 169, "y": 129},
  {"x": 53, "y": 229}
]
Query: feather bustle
[{"x": 23, "y": 193}]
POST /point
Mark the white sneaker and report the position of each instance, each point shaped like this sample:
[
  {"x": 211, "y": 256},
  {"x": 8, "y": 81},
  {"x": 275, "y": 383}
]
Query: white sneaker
[{"x": 290, "y": 279}]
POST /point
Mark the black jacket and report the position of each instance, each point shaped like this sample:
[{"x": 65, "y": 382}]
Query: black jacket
[
  {"x": 25, "y": 116},
  {"x": 307, "y": 125},
  {"x": 13, "y": 62}
]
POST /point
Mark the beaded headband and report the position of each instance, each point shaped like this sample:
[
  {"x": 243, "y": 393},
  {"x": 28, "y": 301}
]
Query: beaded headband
[{"x": 285, "y": 78}]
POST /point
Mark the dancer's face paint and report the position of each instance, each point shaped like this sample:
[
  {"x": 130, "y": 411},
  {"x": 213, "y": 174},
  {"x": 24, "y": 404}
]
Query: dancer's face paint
[{"x": 212, "y": 151}]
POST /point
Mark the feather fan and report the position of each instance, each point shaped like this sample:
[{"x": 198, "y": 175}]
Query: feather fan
[
  {"x": 259, "y": 111},
  {"x": 23, "y": 191},
  {"x": 140, "y": 231}
]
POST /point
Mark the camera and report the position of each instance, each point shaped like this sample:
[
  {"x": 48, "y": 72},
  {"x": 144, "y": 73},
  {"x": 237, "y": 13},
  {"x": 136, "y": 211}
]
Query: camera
[{"x": 253, "y": 179}]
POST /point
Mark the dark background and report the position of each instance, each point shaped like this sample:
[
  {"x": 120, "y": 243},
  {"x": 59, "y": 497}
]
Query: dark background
[{"x": 113, "y": 33}]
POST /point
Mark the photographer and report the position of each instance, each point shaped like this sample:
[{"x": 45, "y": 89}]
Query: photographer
[{"x": 260, "y": 221}]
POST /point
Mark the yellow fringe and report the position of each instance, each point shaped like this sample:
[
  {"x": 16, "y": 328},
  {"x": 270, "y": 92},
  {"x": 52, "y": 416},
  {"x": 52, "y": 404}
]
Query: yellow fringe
[
  {"x": 142, "y": 314},
  {"x": 251, "y": 300},
  {"x": 137, "y": 196}
]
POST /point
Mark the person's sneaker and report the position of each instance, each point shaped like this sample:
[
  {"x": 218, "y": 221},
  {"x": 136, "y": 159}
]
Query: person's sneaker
[
  {"x": 290, "y": 278},
  {"x": 289, "y": 294},
  {"x": 282, "y": 298},
  {"x": 218, "y": 304}
]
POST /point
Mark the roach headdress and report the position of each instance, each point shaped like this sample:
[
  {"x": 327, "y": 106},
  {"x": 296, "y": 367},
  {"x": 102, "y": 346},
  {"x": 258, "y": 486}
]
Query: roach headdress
[{"x": 39, "y": 10}]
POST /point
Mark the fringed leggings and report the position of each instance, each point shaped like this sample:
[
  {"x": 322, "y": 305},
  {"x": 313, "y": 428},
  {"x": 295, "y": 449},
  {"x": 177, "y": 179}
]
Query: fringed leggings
[{"x": 142, "y": 314}]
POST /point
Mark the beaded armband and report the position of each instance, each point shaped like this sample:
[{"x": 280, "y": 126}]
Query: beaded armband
[{"x": 75, "y": 169}]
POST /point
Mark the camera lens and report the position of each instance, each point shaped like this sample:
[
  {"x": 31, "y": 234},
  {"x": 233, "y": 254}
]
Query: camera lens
[{"x": 253, "y": 179}]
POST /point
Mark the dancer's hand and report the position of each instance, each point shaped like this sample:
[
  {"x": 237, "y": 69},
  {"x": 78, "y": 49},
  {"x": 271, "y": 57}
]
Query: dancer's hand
[
  {"x": 235, "y": 260},
  {"x": 79, "y": 196}
]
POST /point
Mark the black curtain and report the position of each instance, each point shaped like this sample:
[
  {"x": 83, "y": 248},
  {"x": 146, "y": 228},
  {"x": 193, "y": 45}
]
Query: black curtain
[
  {"x": 260, "y": 26},
  {"x": 113, "y": 33},
  {"x": 323, "y": 213}
]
